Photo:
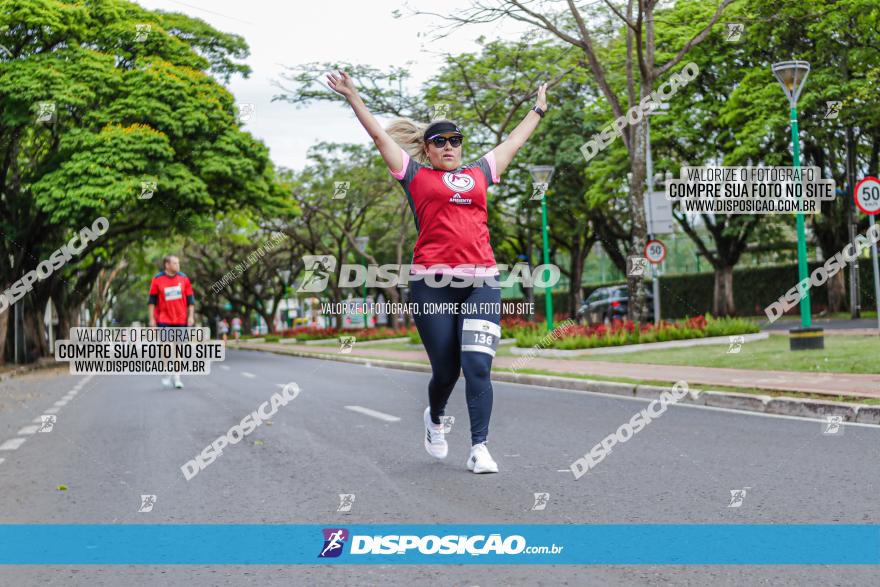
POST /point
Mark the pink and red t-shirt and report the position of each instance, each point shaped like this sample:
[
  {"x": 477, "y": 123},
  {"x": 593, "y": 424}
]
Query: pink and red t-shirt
[{"x": 450, "y": 210}]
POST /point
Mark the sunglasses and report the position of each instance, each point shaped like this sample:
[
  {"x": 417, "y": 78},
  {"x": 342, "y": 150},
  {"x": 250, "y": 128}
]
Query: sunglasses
[{"x": 440, "y": 142}]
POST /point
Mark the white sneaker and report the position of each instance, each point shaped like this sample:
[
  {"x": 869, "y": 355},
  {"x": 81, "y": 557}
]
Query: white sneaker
[
  {"x": 435, "y": 439},
  {"x": 166, "y": 382},
  {"x": 178, "y": 384},
  {"x": 480, "y": 460}
]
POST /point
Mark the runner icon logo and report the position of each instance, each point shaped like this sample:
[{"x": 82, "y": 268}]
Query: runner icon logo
[
  {"x": 318, "y": 270},
  {"x": 538, "y": 190},
  {"x": 334, "y": 540},
  {"x": 734, "y": 31},
  {"x": 637, "y": 266},
  {"x": 147, "y": 503},
  {"x": 832, "y": 109},
  {"x": 736, "y": 342},
  {"x": 148, "y": 188},
  {"x": 48, "y": 422},
  {"x": 346, "y": 500},
  {"x": 736, "y": 497},
  {"x": 541, "y": 500},
  {"x": 833, "y": 425},
  {"x": 346, "y": 343},
  {"x": 340, "y": 188}
]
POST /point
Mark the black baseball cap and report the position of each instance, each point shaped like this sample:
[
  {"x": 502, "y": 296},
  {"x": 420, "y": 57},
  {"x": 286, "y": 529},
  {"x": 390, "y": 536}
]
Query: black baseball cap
[{"x": 441, "y": 127}]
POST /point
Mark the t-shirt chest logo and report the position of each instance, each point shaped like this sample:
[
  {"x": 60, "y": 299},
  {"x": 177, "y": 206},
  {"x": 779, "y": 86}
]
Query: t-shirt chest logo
[
  {"x": 458, "y": 182},
  {"x": 175, "y": 292}
]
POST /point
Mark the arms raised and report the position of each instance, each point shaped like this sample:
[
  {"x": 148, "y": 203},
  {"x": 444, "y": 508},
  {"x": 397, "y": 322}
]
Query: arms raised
[{"x": 389, "y": 150}]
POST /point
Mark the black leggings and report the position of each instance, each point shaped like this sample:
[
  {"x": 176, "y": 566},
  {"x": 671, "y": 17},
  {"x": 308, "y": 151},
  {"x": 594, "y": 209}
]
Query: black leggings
[{"x": 461, "y": 338}]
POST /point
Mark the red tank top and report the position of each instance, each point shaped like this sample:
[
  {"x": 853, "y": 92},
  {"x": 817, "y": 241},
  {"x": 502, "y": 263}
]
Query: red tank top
[{"x": 450, "y": 210}]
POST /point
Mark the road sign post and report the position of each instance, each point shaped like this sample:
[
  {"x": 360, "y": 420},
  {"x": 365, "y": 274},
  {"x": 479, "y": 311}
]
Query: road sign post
[
  {"x": 867, "y": 197},
  {"x": 655, "y": 252}
]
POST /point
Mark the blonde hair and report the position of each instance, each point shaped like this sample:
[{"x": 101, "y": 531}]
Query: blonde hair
[{"x": 410, "y": 134}]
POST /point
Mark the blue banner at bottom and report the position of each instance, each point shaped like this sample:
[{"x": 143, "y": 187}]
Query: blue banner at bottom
[{"x": 250, "y": 544}]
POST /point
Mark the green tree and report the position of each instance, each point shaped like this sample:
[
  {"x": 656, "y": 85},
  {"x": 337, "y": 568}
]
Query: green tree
[{"x": 131, "y": 97}]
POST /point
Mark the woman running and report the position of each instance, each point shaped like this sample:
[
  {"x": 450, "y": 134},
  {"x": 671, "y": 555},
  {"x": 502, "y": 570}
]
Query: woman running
[{"x": 449, "y": 203}]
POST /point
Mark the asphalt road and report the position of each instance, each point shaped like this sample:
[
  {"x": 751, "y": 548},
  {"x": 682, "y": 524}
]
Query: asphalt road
[{"x": 120, "y": 437}]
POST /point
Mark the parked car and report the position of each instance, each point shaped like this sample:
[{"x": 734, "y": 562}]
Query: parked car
[{"x": 609, "y": 303}]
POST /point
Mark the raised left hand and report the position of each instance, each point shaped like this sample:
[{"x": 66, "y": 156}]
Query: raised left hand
[{"x": 541, "y": 101}]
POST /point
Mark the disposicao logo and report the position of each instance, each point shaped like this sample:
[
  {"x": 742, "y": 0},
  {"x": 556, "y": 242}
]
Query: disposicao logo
[{"x": 334, "y": 540}]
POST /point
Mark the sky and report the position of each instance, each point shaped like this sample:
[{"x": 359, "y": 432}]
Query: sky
[{"x": 357, "y": 31}]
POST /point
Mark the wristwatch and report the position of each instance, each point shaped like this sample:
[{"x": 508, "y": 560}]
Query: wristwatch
[{"x": 539, "y": 111}]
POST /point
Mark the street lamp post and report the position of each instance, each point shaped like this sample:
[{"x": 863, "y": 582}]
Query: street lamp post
[
  {"x": 792, "y": 75},
  {"x": 542, "y": 174}
]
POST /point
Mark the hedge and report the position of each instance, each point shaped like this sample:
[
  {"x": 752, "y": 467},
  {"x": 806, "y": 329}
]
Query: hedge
[{"x": 753, "y": 289}]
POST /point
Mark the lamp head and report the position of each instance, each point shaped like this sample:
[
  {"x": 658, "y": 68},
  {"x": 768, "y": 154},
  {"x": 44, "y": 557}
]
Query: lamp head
[
  {"x": 791, "y": 75},
  {"x": 541, "y": 173}
]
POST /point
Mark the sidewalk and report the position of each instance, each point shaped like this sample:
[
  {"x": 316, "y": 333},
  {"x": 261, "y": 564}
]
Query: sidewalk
[{"x": 831, "y": 384}]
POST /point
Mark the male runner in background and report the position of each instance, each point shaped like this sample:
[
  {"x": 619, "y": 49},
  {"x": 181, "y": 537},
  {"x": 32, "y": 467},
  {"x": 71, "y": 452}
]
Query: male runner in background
[{"x": 172, "y": 303}]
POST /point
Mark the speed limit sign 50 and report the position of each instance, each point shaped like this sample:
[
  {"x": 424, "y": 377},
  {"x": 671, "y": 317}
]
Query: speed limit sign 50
[
  {"x": 655, "y": 251},
  {"x": 867, "y": 195}
]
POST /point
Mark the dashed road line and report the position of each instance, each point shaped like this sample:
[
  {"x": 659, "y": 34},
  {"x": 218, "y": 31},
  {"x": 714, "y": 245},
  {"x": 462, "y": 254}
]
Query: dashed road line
[
  {"x": 52, "y": 411},
  {"x": 373, "y": 413},
  {"x": 12, "y": 443},
  {"x": 28, "y": 430},
  {"x": 249, "y": 375}
]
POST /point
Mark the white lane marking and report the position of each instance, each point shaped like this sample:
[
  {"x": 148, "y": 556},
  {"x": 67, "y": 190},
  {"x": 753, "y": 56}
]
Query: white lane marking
[
  {"x": 50, "y": 411},
  {"x": 12, "y": 443},
  {"x": 246, "y": 374},
  {"x": 73, "y": 392},
  {"x": 563, "y": 470},
  {"x": 373, "y": 413},
  {"x": 28, "y": 430},
  {"x": 224, "y": 367},
  {"x": 60, "y": 403},
  {"x": 38, "y": 420},
  {"x": 281, "y": 385},
  {"x": 1, "y": 461}
]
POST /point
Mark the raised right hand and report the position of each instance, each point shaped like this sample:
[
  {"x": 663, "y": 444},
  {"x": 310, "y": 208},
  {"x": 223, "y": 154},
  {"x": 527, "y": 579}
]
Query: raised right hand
[{"x": 341, "y": 83}]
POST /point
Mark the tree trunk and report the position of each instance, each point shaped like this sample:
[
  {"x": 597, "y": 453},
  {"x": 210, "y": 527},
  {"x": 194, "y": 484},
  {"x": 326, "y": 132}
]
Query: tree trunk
[
  {"x": 36, "y": 345},
  {"x": 837, "y": 292},
  {"x": 394, "y": 320},
  {"x": 722, "y": 301},
  {"x": 4, "y": 328},
  {"x": 635, "y": 283},
  {"x": 576, "y": 271}
]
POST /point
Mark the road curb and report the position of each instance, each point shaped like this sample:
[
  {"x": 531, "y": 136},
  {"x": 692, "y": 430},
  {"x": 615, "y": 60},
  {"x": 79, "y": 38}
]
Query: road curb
[
  {"x": 868, "y": 414},
  {"x": 42, "y": 363},
  {"x": 810, "y": 408},
  {"x": 735, "y": 401},
  {"x": 786, "y": 406}
]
